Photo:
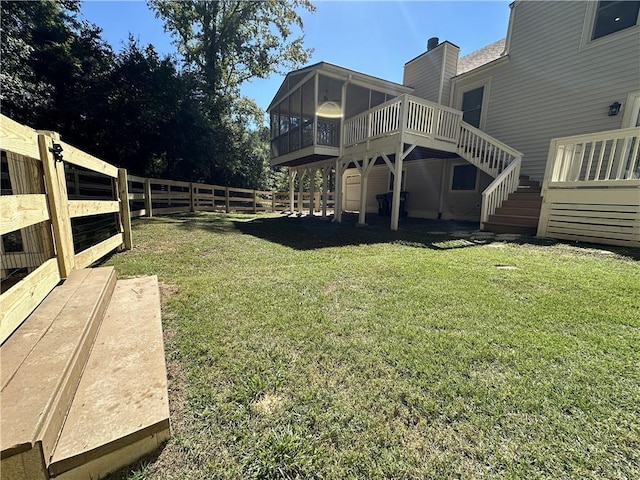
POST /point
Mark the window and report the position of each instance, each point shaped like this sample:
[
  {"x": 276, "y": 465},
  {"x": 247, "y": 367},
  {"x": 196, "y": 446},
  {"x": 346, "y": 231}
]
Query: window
[
  {"x": 611, "y": 17},
  {"x": 472, "y": 106},
  {"x": 464, "y": 178}
]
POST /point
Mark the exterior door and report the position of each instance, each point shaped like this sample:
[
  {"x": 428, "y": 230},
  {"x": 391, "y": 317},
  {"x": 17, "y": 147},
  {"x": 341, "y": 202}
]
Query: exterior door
[{"x": 352, "y": 193}]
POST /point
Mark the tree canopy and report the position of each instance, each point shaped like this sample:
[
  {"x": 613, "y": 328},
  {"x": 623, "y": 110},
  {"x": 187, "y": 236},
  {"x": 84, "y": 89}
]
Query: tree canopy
[{"x": 158, "y": 116}]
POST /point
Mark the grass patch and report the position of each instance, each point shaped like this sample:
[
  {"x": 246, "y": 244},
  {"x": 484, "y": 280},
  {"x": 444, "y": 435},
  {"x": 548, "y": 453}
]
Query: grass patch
[{"x": 303, "y": 349}]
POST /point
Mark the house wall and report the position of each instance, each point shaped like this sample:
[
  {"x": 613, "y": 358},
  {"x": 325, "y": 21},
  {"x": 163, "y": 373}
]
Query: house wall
[
  {"x": 554, "y": 84},
  {"x": 423, "y": 181},
  {"x": 430, "y": 73}
]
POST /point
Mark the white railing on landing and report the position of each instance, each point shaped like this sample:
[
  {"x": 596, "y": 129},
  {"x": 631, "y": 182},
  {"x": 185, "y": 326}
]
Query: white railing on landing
[
  {"x": 593, "y": 159},
  {"x": 405, "y": 113}
]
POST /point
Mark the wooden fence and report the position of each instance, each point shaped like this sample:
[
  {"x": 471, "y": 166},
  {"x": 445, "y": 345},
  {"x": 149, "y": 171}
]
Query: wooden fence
[
  {"x": 62, "y": 209},
  {"x": 152, "y": 196},
  {"x": 39, "y": 212}
]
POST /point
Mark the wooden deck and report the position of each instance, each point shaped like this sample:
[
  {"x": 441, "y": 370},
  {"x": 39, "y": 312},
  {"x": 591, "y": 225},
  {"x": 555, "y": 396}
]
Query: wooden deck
[{"x": 84, "y": 385}]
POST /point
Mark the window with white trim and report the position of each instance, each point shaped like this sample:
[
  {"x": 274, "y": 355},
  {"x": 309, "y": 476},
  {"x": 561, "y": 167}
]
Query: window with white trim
[
  {"x": 464, "y": 177},
  {"x": 614, "y": 16}
]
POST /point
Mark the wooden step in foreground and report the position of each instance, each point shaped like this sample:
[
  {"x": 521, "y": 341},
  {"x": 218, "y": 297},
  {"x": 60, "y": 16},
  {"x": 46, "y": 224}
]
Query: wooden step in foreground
[
  {"x": 84, "y": 386},
  {"x": 42, "y": 363},
  {"x": 121, "y": 410}
]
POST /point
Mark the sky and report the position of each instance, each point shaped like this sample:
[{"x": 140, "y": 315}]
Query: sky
[{"x": 372, "y": 37}]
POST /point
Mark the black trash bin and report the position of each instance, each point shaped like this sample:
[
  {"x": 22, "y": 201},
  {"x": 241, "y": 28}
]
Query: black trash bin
[
  {"x": 386, "y": 199},
  {"x": 384, "y": 204}
]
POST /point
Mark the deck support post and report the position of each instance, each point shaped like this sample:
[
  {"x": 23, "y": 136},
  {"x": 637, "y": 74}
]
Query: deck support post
[
  {"x": 337, "y": 208},
  {"x": 292, "y": 196},
  {"x": 397, "y": 186},
  {"x": 367, "y": 164},
  {"x": 325, "y": 181},
  {"x": 312, "y": 194},
  {"x": 301, "y": 190}
]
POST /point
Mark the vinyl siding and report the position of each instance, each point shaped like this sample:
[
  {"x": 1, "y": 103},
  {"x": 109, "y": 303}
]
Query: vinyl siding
[
  {"x": 450, "y": 68},
  {"x": 425, "y": 73},
  {"x": 423, "y": 182},
  {"x": 551, "y": 86}
]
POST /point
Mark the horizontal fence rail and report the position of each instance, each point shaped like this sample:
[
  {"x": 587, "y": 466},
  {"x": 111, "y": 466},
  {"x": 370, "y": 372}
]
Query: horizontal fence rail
[
  {"x": 49, "y": 210},
  {"x": 149, "y": 196}
]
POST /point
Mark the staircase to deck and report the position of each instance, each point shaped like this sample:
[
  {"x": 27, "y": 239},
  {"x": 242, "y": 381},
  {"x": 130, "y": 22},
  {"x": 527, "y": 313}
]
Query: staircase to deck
[
  {"x": 84, "y": 385},
  {"x": 520, "y": 212}
]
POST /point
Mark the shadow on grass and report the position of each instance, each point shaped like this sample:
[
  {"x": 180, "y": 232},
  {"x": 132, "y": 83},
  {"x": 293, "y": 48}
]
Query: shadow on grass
[{"x": 310, "y": 233}]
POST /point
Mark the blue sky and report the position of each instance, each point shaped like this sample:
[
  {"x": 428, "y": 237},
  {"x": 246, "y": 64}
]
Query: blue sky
[{"x": 373, "y": 37}]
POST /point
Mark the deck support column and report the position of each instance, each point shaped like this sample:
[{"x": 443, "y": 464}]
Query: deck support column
[
  {"x": 337, "y": 209},
  {"x": 367, "y": 163},
  {"x": 292, "y": 199},
  {"x": 397, "y": 186},
  {"x": 301, "y": 190},
  {"x": 312, "y": 193},
  {"x": 325, "y": 176}
]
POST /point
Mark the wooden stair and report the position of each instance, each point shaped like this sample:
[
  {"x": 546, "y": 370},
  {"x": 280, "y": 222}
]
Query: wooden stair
[
  {"x": 84, "y": 385},
  {"x": 520, "y": 213}
]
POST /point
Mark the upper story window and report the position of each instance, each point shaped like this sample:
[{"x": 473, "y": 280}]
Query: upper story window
[
  {"x": 611, "y": 17},
  {"x": 472, "y": 106}
]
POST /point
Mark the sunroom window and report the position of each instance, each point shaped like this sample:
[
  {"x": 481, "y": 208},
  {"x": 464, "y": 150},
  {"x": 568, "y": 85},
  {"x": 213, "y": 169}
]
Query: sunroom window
[{"x": 611, "y": 17}]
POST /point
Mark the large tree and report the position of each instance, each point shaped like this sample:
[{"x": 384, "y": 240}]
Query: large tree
[
  {"x": 229, "y": 42},
  {"x": 223, "y": 44}
]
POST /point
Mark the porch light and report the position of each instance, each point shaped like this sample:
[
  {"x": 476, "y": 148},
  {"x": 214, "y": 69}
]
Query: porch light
[
  {"x": 614, "y": 108},
  {"x": 329, "y": 109}
]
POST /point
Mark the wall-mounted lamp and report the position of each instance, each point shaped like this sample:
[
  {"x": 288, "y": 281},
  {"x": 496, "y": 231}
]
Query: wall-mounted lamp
[{"x": 614, "y": 108}]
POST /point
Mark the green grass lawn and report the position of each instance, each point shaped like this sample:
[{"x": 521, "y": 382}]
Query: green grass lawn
[{"x": 298, "y": 348}]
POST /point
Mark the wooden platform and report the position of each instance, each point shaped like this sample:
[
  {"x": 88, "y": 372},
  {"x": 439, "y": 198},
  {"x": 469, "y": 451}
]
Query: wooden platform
[{"x": 84, "y": 386}]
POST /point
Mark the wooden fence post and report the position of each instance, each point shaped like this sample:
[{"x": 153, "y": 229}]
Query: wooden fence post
[
  {"x": 148, "y": 206},
  {"x": 192, "y": 207},
  {"x": 58, "y": 205},
  {"x": 255, "y": 202},
  {"x": 273, "y": 201},
  {"x": 226, "y": 199},
  {"x": 125, "y": 211}
]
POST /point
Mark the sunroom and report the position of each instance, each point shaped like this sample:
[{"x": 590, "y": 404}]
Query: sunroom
[{"x": 308, "y": 110}]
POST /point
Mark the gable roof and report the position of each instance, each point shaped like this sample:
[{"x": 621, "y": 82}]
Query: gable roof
[{"x": 480, "y": 57}]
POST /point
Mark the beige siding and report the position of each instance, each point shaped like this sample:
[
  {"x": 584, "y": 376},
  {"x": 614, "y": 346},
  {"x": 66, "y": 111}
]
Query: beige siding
[
  {"x": 450, "y": 68},
  {"x": 425, "y": 73},
  {"x": 552, "y": 86},
  {"x": 460, "y": 205},
  {"x": 423, "y": 182}
]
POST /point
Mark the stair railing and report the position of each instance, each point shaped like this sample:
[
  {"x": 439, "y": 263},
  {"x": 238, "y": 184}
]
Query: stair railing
[
  {"x": 499, "y": 190},
  {"x": 485, "y": 152}
]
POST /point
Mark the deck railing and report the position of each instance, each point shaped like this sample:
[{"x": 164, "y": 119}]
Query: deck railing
[
  {"x": 499, "y": 190},
  {"x": 611, "y": 157},
  {"x": 404, "y": 113}
]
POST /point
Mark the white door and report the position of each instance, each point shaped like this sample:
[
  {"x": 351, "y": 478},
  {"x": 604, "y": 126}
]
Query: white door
[{"x": 352, "y": 193}]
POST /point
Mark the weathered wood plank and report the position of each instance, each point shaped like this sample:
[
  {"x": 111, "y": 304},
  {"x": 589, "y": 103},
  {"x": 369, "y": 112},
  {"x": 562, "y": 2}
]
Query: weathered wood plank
[
  {"x": 18, "y": 138},
  {"x": 58, "y": 205},
  {"x": 76, "y": 156},
  {"x": 173, "y": 183},
  {"x": 92, "y": 254},
  {"x": 84, "y": 208},
  {"x": 19, "y": 301},
  {"x": 125, "y": 212},
  {"x": 136, "y": 196},
  {"x": 19, "y": 211}
]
